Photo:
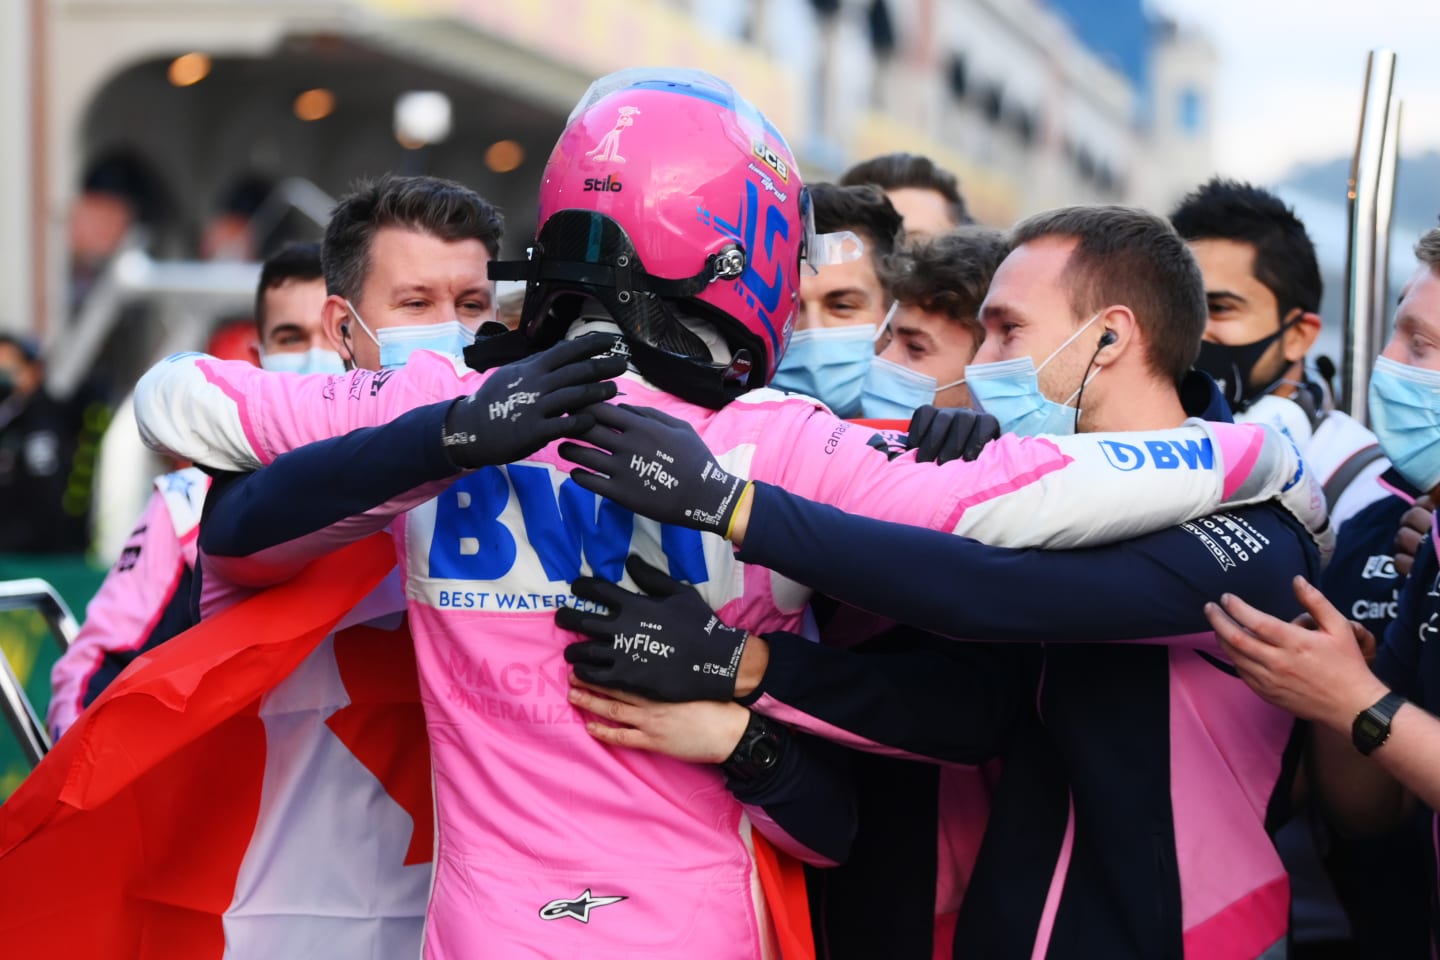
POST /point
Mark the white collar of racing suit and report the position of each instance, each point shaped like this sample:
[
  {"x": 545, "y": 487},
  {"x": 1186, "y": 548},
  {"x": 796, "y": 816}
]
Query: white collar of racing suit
[{"x": 594, "y": 319}]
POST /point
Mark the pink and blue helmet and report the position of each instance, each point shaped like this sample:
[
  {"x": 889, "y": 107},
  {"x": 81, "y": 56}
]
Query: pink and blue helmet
[{"x": 669, "y": 194}]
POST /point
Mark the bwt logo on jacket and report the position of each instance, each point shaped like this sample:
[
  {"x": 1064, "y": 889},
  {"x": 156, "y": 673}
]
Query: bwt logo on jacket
[
  {"x": 1164, "y": 454},
  {"x": 610, "y": 184}
]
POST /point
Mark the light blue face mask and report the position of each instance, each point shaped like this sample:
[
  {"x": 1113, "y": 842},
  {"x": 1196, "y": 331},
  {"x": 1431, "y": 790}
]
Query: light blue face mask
[
  {"x": 448, "y": 339},
  {"x": 892, "y": 391},
  {"x": 1405, "y": 414},
  {"x": 829, "y": 364},
  {"x": 1009, "y": 390},
  {"x": 314, "y": 360}
]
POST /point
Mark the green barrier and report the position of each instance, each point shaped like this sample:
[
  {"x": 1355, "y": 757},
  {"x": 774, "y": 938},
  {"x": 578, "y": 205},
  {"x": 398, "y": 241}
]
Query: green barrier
[{"x": 28, "y": 644}]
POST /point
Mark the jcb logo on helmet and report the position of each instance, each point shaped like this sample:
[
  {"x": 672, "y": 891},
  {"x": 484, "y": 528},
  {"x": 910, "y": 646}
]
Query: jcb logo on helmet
[{"x": 771, "y": 159}]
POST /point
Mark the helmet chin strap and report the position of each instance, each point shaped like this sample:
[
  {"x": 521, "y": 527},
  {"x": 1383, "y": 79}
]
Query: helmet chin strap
[{"x": 593, "y": 318}]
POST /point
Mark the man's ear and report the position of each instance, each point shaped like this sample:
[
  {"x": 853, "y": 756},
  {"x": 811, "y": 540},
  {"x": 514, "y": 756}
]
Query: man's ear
[
  {"x": 335, "y": 321},
  {"x": 1118, "y": 329},
  {"x": 1301, "y": 337}
]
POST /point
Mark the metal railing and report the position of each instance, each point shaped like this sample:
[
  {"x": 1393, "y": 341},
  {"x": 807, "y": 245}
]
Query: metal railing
[
  {"x": 20, "y": 716},
  {"x": 133, "y": 276},
  {"x": 197, "y": 290},
  {"x": 32, "y": 593},
  {"x": 1371, "y": 197}
]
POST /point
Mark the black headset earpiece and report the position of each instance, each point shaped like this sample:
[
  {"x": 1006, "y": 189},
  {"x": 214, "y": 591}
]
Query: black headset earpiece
[{"x": 1106, "y": 338}]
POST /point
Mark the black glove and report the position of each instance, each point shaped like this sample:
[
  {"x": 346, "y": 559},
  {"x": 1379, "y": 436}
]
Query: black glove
[
  {"x": 527, "y": 404},
  {"x": 666, "y": 646},
  {"x": 657, "y": 466},
  {"x": 496, "y": 345},
  {"x": 943, "y": 434}
]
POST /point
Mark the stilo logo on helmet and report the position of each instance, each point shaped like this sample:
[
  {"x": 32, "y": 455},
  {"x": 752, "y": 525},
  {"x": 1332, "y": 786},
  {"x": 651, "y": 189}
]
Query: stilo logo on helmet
[
  {"x": 693, "y": 258},
  {"x": 610, "y": 184}
]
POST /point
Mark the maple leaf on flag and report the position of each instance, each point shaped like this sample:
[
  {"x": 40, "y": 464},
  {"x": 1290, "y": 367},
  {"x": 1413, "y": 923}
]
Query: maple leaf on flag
[{"x": 384, "y": 724}]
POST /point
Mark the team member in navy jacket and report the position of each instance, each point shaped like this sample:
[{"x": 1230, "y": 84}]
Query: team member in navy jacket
[
  {"x": 1380, "y": 879},
  {"x": 1130, "y": 818},
  {"x": 1376, "y": 738}
]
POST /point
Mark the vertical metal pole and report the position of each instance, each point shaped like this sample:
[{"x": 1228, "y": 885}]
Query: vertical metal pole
[
  {"x": 1384, "y": 212},
  {"x": 42, "y": 267},
  {"x": 1363, "y": 195},
  {"x": 17, "y": 183},
  {"x": 20, "y": 716}
]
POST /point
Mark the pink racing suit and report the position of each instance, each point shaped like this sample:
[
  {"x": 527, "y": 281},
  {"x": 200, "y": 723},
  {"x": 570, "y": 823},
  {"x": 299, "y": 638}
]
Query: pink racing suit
[
  {"x": 144, "y": 600},
  {"x": 551, "y": 844}
]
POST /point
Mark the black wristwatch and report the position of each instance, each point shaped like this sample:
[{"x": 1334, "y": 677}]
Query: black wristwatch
[
  {"x": 1372, "y": 726},
  {"x": 757, "y": 752}
]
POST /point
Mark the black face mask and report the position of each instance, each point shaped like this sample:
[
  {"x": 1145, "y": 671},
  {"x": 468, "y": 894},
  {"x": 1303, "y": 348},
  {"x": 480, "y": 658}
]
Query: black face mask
[
  {"x": 7, "y": 385},
  {"x": 1232, "y": 364}
]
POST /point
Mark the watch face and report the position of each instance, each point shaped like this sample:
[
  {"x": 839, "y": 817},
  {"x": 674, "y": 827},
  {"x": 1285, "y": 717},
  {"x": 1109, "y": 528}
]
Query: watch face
[
  {"x": 1369, "y": 727},
  {"x": 765, "y": 753}
]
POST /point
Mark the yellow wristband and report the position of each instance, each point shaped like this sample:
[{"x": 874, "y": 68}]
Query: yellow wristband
[{"x": 730, "y": 527}]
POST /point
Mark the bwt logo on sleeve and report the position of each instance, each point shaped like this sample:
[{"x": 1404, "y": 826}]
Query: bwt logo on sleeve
[{"x": 1163, "y": 454}]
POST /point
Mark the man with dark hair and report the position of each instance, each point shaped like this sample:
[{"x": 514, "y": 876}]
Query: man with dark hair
[
  {"x": 927, "y": 196},
  {"x": 1264, "y": 289},
  {"x": 842, "y": 305},
  {"x": 938, "y": 285},
  {"x": 1263, "y": 286},
  {"x": 408, "y": 255},
  {"x": 410, "y": 252},
  {"x": 861, "y": 209},
  {"x": 1123, "y": 255},
  {"x": 1129, "y": 819},
  {"x": 289, "y": 301}
]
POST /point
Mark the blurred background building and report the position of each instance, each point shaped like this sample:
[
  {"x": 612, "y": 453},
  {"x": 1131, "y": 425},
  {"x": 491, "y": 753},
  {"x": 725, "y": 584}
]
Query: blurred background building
[
  {"x": 152, "y": 150},
  {"x": 209, "y": 120}
]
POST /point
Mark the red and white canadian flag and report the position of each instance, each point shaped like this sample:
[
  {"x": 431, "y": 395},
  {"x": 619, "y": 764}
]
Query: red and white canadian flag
[{"x": 257, "y": 787}]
